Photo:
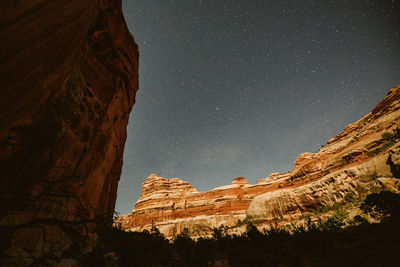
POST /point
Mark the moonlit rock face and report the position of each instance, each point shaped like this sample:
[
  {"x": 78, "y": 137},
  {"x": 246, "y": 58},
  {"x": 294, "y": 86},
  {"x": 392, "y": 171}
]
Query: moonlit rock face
[
  {"x": 155, "y": 187},
  {"x": 240, "y": 180},
  {"x": 358, "y": 159},
  {"x": 172, "y": 205}
]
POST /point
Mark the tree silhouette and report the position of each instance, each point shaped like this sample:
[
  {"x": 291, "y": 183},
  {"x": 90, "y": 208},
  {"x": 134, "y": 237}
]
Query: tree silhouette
[{"x": 383, "y": 206}]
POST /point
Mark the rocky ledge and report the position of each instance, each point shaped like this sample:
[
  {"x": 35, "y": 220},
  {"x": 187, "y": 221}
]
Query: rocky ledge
[{"x": 364, "y": 158}]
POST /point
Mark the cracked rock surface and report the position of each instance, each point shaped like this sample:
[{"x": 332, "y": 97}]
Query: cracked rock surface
[{"x": 69, "y": 73}]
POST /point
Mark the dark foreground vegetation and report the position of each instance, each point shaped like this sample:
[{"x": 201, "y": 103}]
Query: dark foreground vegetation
[{"x": 325, "y": 243}]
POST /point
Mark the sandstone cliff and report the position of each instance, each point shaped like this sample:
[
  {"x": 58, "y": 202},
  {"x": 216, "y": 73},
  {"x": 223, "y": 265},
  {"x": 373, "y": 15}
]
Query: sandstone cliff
[
  {"x": 172, "y": 205},
  {"x": 69, "y": 73},
  {"x": 364, "y": 158},
  {"x": 360, "y": 160}
]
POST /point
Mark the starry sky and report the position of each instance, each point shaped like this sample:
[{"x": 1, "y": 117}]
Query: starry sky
[{"x": 239, "y": 88}]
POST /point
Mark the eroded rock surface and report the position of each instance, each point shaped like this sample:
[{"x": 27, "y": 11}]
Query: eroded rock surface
[
  {"x": 174, "y": 205},
  {"x": 364, "y": 158},
  {"x": 69, "y": 73}
]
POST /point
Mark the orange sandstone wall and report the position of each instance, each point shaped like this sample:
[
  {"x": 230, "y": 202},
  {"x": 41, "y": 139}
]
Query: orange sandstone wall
[
  {"x": 172, "y": 205},
  {"x": 358, "y": 160}
]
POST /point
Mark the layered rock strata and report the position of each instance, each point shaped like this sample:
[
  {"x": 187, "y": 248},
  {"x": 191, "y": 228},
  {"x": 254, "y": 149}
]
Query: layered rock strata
[
  {"x": 360, "y": 160},
  {"x": 173, "y": 205},
  {"x": 69, "y": 73},
  {"x": 364, "y": 158}
]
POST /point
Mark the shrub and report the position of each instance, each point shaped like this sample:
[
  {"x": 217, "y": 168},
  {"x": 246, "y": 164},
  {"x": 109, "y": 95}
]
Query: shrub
[
  {"x": 252, "y": 232},
  {"x": 350, "y": 197},
  {"x": 373, "y": 175},
  {"x": 383, "y": 205},
  {"x": 335, "y": 222},
  {"x": 322, "y": 209},
  {"x": 327, "y": 243},
  {"x": 361, "y": 190},
  {"x": 388, "y": 136},
  {"x": 357, "y": 220},
  {"x": 220, "y": 232},
  {"x": 389, "y": 141},
  {"x": 123, "y": 248},
  {"x": 341, "y": 163},
  {"x": 245, "y": 221},
  {"x": 374, "y": 152},
  {"x": 340, "y": 215}
]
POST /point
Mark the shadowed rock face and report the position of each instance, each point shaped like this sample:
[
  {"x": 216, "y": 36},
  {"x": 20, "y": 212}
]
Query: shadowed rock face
[{"x": 69, "y": 74}]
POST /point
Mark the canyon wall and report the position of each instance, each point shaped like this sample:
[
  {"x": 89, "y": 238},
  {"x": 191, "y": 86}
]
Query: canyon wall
[
  {"x": 69, "y": 73},
  {"x": 173, "y": 205},
  {"x": 362, "y": 159}
]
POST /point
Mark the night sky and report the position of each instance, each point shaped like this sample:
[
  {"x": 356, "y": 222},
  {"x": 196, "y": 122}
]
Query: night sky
[{"x": 240, "y": 88}]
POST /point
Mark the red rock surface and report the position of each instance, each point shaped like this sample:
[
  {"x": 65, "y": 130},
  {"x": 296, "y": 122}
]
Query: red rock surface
[
  {"x": 172, "y": 205},
  {"x": 69, "y": 73},
  {"x": 358, "y": 159}
]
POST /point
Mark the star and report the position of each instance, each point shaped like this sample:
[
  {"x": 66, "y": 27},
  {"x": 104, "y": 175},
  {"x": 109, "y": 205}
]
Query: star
[{"x": 275, "y": 78}]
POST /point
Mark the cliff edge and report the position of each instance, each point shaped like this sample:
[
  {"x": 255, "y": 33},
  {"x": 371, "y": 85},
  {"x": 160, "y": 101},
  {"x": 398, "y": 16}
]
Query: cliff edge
[
  {"x": 362, "y": 159},
  {"x": 69, "y": 74}
]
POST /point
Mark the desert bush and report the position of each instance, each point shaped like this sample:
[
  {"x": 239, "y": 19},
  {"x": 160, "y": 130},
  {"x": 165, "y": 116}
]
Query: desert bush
[
  {"x": 388, "y": 136},
  {"x": 359, "y": 219},
  {"x": 384, "y": 205},
  {"x": 351, "y": 197},
  {"x": 336, "y": 241}
]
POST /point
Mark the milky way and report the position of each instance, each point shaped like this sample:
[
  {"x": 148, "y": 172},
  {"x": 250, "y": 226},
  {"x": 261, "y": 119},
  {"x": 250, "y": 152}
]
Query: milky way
[{"x": 240, "y": 88}]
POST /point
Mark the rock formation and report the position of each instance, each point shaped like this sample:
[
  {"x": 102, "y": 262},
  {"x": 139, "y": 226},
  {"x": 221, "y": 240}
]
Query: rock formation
[
  {"x": 173, "y": 205},
  {"x": 363, "y": 158},
  {"x": 69, "y": 73}
]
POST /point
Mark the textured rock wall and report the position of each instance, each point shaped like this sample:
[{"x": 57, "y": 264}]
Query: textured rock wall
[
  {"x": 364, "y": 158},
  {"x": 172, "y": 205},
  {"x": 69, "y": 73}
]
